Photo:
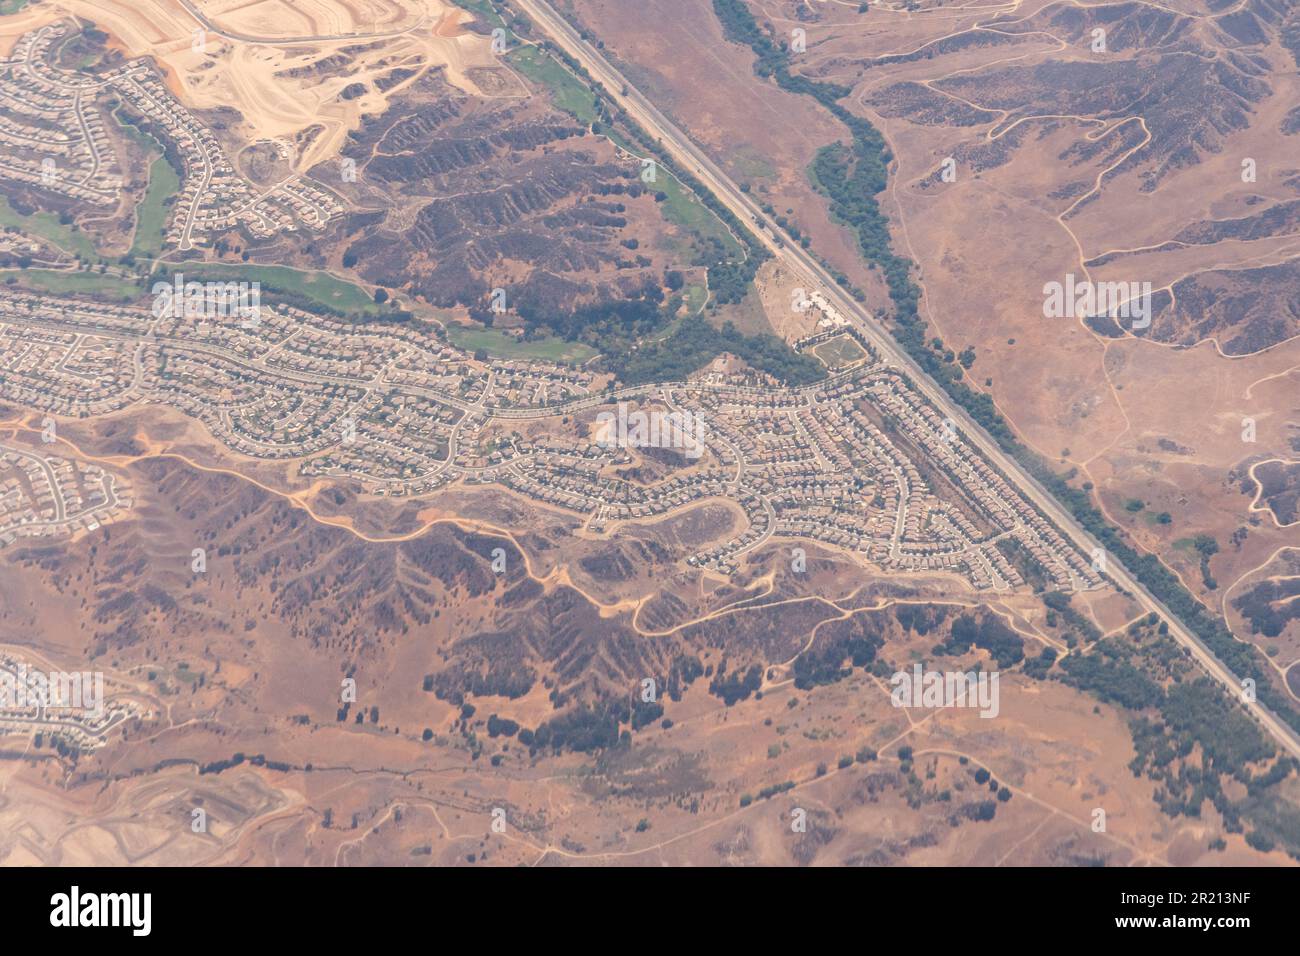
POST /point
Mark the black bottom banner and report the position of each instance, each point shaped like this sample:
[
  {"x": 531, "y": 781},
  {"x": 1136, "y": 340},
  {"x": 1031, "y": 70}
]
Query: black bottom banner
[{"x": 340, "y": 907}]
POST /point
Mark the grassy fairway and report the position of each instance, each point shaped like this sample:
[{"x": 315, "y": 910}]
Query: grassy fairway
[
  {"x": 484, "y": 9},
  {"x": 108, "y": 287},
  {"x": 164, "y": 182},
  {"x": 46, "y": 226},
  {"x": 501, "y": 345},
  {"x": 151, "y": 215},
  {"x": 569, "y": 94},
  {"x": 682, "y": 208},
  {"x": 321, "y": 287}
]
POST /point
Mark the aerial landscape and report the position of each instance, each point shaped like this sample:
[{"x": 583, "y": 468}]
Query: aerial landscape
[{"x": 475, "y": 433}]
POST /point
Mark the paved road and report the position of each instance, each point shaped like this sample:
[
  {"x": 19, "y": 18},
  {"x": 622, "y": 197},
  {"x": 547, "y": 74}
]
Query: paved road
[
  {"x": 798, "y": 260},
  {"x": 211, "y": 27}
]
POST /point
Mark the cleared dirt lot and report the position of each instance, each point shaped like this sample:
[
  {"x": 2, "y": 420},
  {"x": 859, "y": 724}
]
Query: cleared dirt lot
[{"x": 283, "y": 67}]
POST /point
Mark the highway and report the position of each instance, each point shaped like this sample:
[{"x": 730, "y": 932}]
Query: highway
[{"x": 694, "y": 160}]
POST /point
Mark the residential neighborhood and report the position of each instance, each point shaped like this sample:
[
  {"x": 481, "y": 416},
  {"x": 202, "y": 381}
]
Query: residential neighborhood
[
  {"x": 54, "y": 138},
  {"x": 859, "y": 462}
]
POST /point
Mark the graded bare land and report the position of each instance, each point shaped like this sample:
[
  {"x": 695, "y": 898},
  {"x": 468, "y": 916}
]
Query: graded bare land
[{"x": 282, "y": 67}]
